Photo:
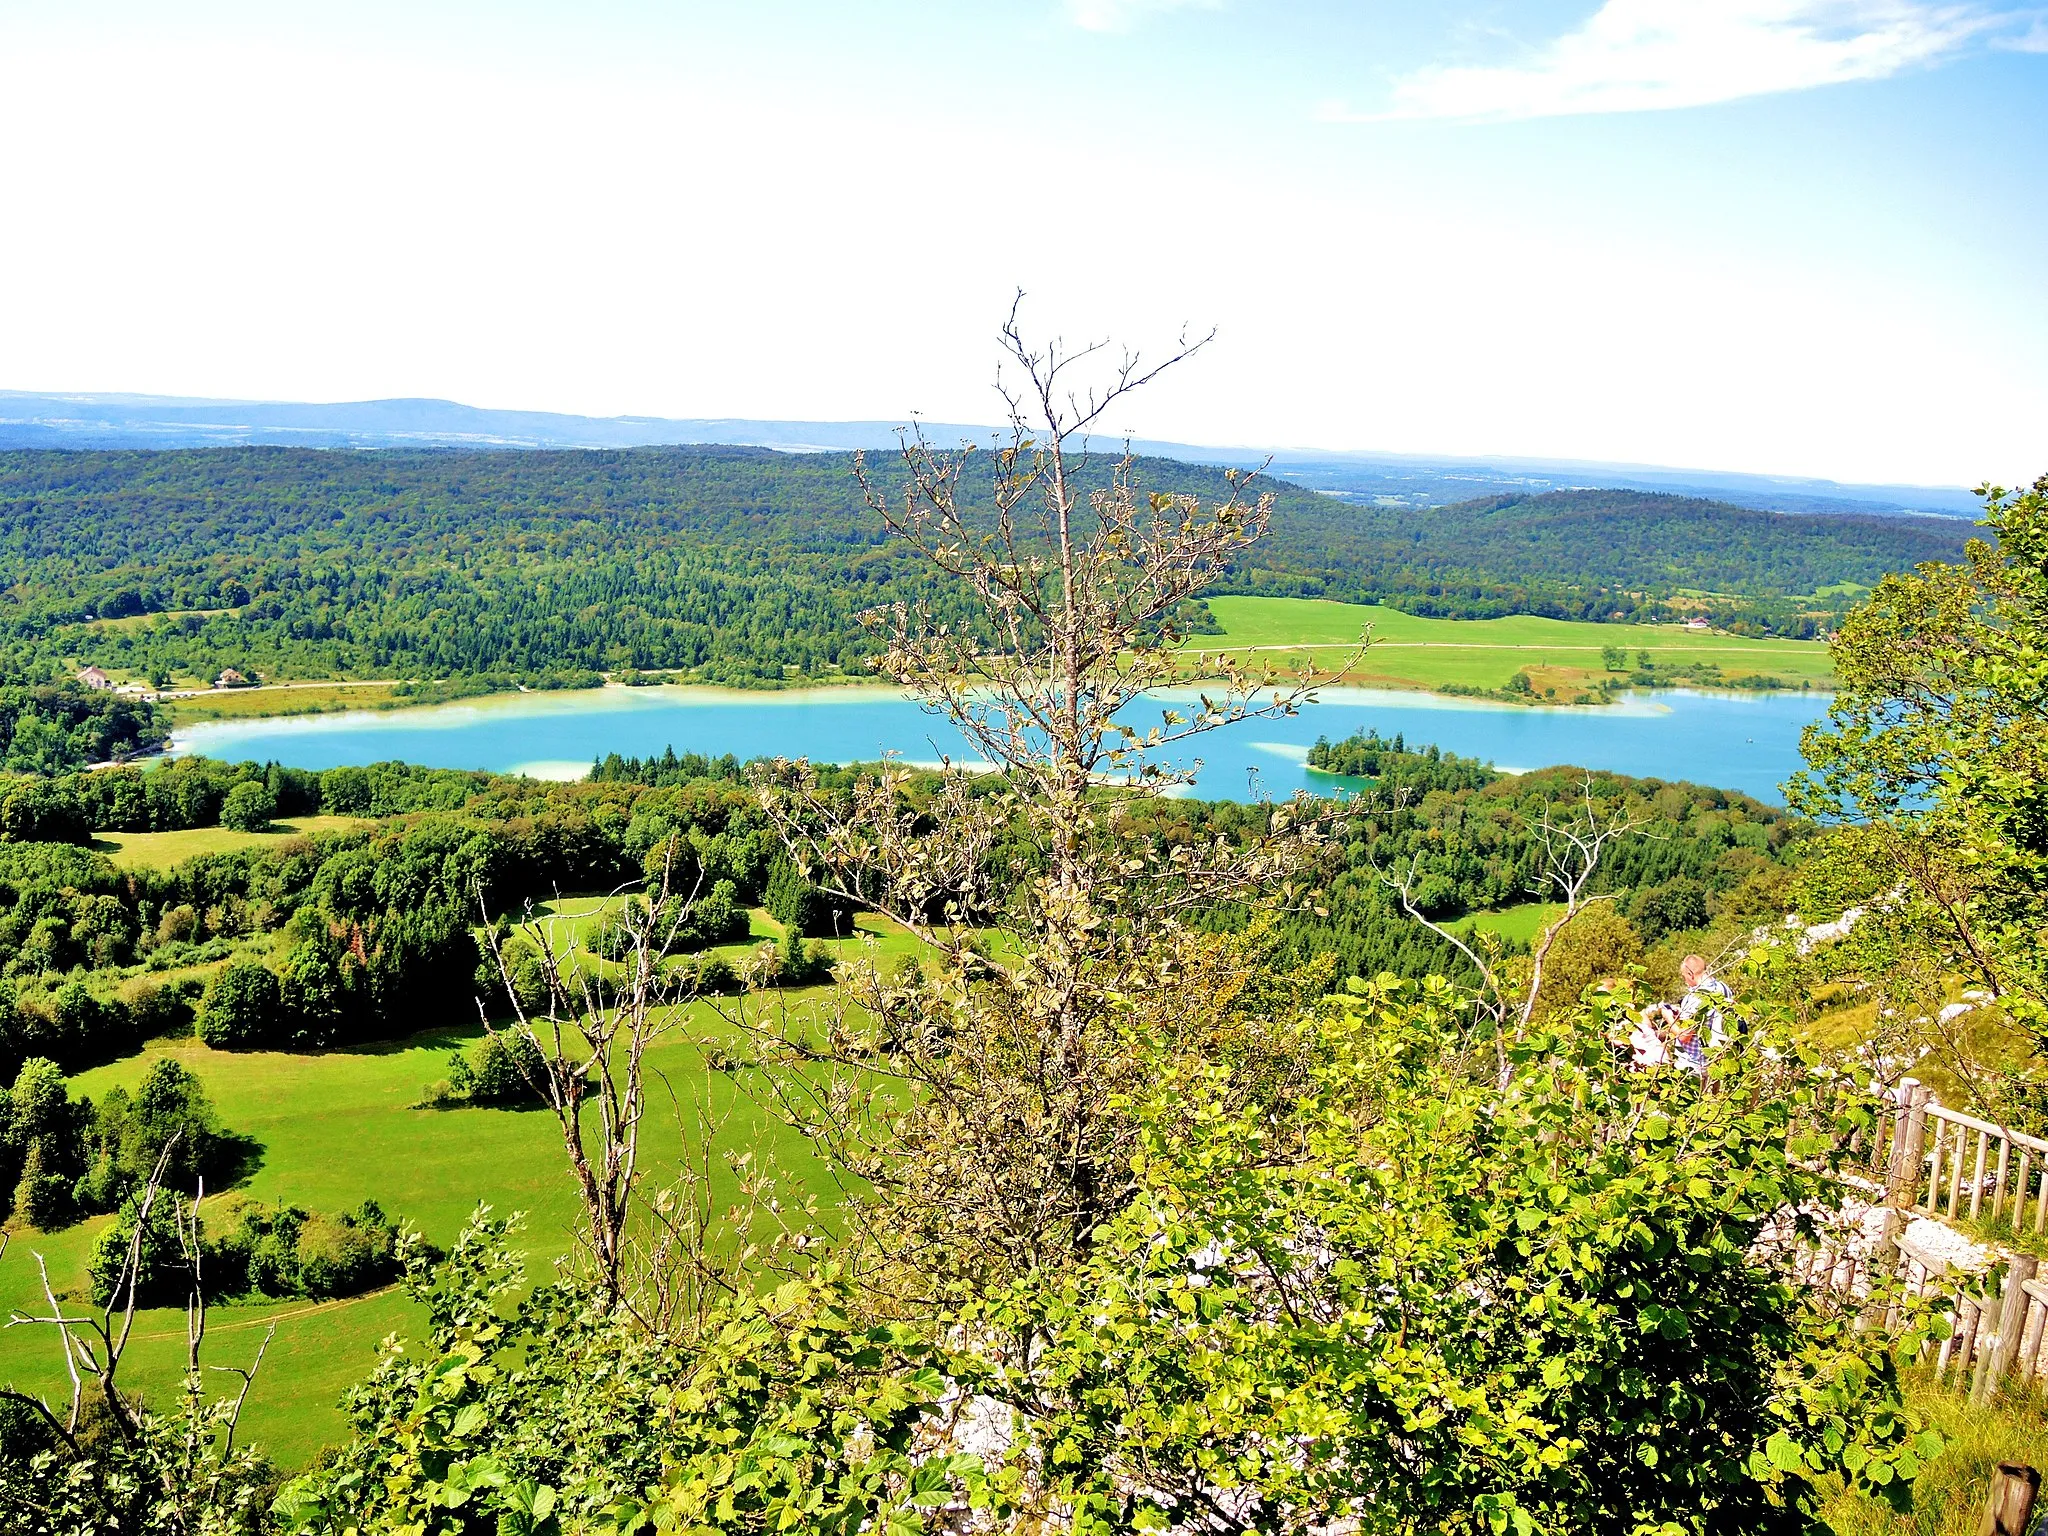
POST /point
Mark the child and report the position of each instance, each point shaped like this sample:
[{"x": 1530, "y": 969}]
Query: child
[{"x": 1700, "y": 1010}]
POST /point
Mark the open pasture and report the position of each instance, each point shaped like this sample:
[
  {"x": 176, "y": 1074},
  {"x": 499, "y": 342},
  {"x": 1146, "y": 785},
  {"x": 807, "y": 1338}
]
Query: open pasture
[
  {"x": 1412, "y": 652},
  {"x": 161, "y": 850},
  {"x": 338, "y": 1127},
  {"x": 312, "y": 698},
  {"x": 1519, "y": 924}
]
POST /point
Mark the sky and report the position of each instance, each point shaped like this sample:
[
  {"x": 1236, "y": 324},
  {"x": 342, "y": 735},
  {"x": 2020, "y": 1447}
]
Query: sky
[{"x": 1784, "y": 236}]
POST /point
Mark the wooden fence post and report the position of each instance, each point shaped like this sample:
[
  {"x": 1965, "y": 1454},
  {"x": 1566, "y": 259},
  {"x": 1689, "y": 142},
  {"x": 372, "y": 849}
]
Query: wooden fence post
[
  {"x": 1980, "y": 1371},
  {"x": 2010, "y": 1509},
  {"x": 1891, "y": 1139},
  {"x": 1955, "y": 1349},
  {"x": 1902, "y": 1184},
  {"x": 2011, "y": 1321},
  {"x": 2028, "y": 1364}
]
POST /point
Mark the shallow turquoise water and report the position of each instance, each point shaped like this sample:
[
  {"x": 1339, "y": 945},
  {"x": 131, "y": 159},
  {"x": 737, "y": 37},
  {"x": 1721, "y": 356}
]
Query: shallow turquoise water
[{"x": 1748, "y": 742}]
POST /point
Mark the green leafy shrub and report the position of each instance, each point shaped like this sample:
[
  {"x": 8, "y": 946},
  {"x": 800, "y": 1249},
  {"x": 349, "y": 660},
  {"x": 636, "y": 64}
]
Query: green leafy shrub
[
  {"x": 714, "y": 976},
  {"x": 250, "y": 1249},
  {"x": 503, "y": 1068},
  {"x": 242, "y": 1008},
  {"x": 798, "y": 964},
  {"x": 346, "y": 1254},
  {"x": 714, "y": 917},
  {"x": 528, "y": 1411},
  {"x": 1431, "y": 1301},
  {"x": 249, "y": 807}
]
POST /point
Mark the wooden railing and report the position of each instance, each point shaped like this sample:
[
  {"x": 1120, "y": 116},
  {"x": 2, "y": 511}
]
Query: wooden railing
[
  {"x": 1962, "y": 1152},
  {"x": 1922, "y": 1157}
]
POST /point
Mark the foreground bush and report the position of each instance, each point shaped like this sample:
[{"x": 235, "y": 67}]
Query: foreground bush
[
  {"x": 547, "y": 1414},
  {"x": 1434, "y": 1303},
  {"x": 1423, "y": 1302}
]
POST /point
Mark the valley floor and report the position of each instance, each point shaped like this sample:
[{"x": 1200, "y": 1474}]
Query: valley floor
[{"x": 1563, "y": 659}]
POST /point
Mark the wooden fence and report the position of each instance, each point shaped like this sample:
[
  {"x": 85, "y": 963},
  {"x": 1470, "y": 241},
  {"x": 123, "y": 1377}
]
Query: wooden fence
[{"x": 1923, "y": 1158}]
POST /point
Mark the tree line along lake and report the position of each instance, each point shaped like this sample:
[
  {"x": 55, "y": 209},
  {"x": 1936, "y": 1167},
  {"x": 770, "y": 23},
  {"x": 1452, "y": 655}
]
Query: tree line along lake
[{"x": 1738, "y": 741}]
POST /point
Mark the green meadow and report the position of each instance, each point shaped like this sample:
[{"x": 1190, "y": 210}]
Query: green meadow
[
  {"x": 311, "y": 698},
  {"x": 160, "y": 850},
  {"x": 1520, "y": 923},
  {"x": 338, "y": 1127},
  {"x": 1412, "y": 652}
]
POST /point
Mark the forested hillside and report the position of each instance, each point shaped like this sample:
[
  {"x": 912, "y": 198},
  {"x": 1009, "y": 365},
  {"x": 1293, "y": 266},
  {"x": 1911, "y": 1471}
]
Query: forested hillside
[
  {"x": 1593, "y": 554},
  {"x": 744, "y": 565}
]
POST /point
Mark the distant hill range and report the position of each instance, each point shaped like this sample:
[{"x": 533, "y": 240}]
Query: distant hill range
[
  {"x": 30, "y": 420},
  {"x": 749, "y": 566}
]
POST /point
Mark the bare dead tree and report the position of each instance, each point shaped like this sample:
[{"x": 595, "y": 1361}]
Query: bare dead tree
[
  {"x": 1574, "y": 839},
  {"x": 598, "y": 1014},
  {"x": 183, "y": 1471},
  {"x": 1572, "y": 846},
  {"x": 989, "y": 1080},
  {"x": 199, "y": 1425},
  {"x": 727, "y": 1217},
  {"x": 92, "y": 1347}
]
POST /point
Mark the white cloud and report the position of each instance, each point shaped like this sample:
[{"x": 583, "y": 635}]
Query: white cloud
[
  {"x": 1123, "y": 15},
  {"x": 2033, "y": 40},
  {"x": 1647, "y": 55}
]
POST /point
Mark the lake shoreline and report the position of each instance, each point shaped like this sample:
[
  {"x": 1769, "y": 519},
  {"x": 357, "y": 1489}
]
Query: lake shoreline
[
  {"x": 1741, "y": 741},
  {"x": 815, "y": 691}
]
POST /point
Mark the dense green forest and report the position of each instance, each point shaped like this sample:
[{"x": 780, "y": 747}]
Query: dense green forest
[
  {"x": 60, "y": 726},
  {"x": 746, "y": 566},
  {"x": 347, "y": 935}
]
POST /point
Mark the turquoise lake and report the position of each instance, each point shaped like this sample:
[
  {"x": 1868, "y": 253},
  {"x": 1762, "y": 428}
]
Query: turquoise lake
[{"x": 1748, "y": 742}]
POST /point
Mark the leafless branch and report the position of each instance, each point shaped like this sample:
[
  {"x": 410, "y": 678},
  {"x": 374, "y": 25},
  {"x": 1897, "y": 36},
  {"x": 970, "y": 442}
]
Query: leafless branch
[
  {"x": 976, "y": 1094},
  {"x": 592, "y": 1036}
]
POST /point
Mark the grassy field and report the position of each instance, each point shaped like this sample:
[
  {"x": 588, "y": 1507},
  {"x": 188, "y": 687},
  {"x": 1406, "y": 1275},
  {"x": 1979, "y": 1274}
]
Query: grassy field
[
  {"x": 136, "y": 622},
  {"x": 160, "y": 850},
  {"x": 296, "y": 699},
  {"x": 1411, "y": 652},
  {"x": 339, "y": 1127},
  {"x": 1949, "y": 1495},
  {"x": 1520, "y": 923},
  {"x": 335, "y": 1129}
]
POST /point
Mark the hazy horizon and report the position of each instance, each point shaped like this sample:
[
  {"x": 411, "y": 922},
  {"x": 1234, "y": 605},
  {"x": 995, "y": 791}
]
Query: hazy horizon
[{"x": 116, "y": 419}]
